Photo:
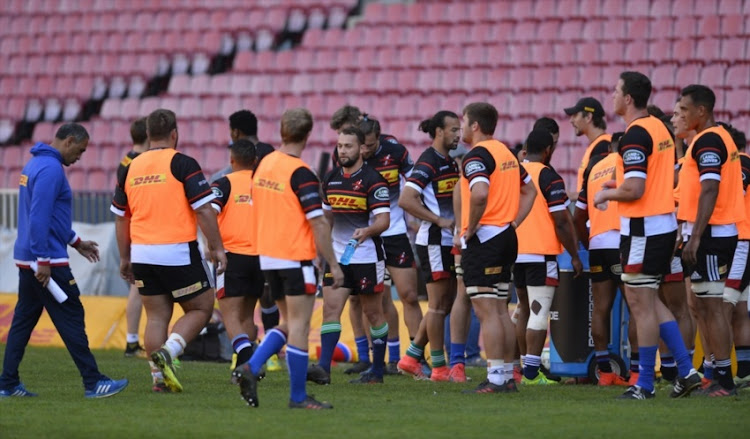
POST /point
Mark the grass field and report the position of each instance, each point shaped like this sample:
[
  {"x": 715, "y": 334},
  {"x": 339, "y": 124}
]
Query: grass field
[{"x": 211, "y": 407}]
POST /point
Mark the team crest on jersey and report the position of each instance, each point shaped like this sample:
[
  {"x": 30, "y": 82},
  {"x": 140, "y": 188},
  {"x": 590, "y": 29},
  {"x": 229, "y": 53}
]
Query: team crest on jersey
[
  {"x": 24, "y": 180},
  {"x": 217, "y": 192},
  {"x": 387, "y": 160},
  {"x": 382, "y": 194},
  {"x": 633, "y": 157},
  {"x": 357, "y": 185},
  {"x": 148, "y": 179},
  {"x": 709, "y": 159},
  {"x": 364, "y": 283}
]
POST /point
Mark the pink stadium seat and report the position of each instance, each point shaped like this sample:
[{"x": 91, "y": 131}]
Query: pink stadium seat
[
  {"x": 730, "y": 7},
  {"x": 571, "y": 30},
  {"x": 616, "y": 29},
  {"x": 588, "y": 53},
  {"x": 567, "y": 79},
  {"x": 475, "y": 80},
  {"x": 543, "y": 79},
  {"x": 111, "y": 108},
  {"x": 525, "y": 30},
  {"x": 733, "y": 26},
  {"x": 637, "y": 29},
  {"x": 682, "y": 51},
  {"x": 385, "y": 82},
  {"x": 661, "y": 28},
  {"x": 687, "y": 74},
  {"x": 636, "y": 51},
  {"x": 661, "y": 9},
  {"x": 16, "y": 155},
  {"x": 705, "y": 7},
  {"x": 684, "y": 25},
  {"x": 738, "y": 76},
  {"x": 709, "y": 26},
  {"x": 708, "y": 50},
  {"x": 733, "y": 51},
  {"x": 713, "y": 76},
  {"x": 662, "y": 77},
  {"x": 736, "y": 103}
]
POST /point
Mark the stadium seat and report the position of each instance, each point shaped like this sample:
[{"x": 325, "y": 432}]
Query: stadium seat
[
  {"x": 708, "y": 51},
  {"x": 738, "y": 76},
  {"x": 733, "y": 51},
  {"x": 635, "y": 52},
  {"x": 736, "y": 103},
  {"x": 713, "y": 76}
]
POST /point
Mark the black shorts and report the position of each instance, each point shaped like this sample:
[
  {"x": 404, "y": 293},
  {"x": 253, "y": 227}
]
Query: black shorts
[
  {"x": 297, "y": 281},
  {"x": 676, "y": 273},
  {"x": 486, "y": 264},
  {"x": 181, "y": 282},
  {"x": 739, "y": 274},
  {"x": 437, "y": 262},
  {"x": 360, "y": 278},
  {"x": 714, "y": 258},
  {"x": 537, "y": 274},
  {"x": 243, "y": 277},
  {"x": 605, "y": 265},
  {"x": 650, "y": 255},
  {"x": 398, "y": 252}
]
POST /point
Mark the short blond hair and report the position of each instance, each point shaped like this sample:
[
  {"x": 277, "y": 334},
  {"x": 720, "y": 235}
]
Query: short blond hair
[{"x": 296, "y": 125}]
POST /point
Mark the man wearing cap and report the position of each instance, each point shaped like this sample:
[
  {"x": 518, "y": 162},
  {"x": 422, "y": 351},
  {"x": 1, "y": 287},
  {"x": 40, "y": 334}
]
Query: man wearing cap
[{"x": 587, "y": 118}]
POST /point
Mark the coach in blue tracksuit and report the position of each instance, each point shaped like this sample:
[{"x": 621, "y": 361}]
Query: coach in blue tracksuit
[{"x": 44, "y": 232}]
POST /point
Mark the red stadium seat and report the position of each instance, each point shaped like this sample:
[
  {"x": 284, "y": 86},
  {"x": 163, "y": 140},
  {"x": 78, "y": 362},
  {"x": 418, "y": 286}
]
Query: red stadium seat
[
  {"x": 733, "y": 26},
  {"x": 661, "y": 9},
  {"x": 567, "y": 79},
  {"x": 736, "y": 103},
  {"x": 564, "y": 53},
  {"x": 713, "y": 76},
  {"x": 682, "y": 51},
  {"x": 733, "y": 51},
  {"x": 588, "y": 53},
  {"x": 662, "y": 77},
  {"x": 475, "y": 80},
  {"x": 687, "y": 74},
  {"x": 705, "y": 7},
  {"x": 730, "y": 7}
]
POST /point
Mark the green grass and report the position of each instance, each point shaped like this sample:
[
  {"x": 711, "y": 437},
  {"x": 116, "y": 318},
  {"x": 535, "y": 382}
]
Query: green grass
[{"x": 402, "y": 407}]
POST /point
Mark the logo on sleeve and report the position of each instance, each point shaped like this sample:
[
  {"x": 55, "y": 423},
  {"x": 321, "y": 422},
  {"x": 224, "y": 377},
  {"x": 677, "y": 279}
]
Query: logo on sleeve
[
  {"x": 217, "y": 192},
  {"x": 474, "y": 167},
  {"x": 382, "y": 194},
  {"x": 633, "y": 157},
  {"x": 709, "y": 159}
]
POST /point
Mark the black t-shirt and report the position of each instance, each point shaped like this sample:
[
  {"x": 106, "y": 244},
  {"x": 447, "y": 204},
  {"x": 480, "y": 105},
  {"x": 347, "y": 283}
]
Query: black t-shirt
[
  {"x": 125, "y": 162},
  {"x": 710, "y": 153}
]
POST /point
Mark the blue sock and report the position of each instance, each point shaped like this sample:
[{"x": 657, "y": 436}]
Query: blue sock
[
  {"x": 363, "y": 349},
  {"x": 379, "y": 342},
  {"x": 457, "y": 354},
  {"x": 272, "y": 344},
  {"x": 330, "y": 332},
  {"x": 531, "y": 366},
  {"x": 394, "y": 350},
  {"x": 296, "y": 361},
  {"x": 647, "y": 365},
  {"x": 670, "y": 333}
]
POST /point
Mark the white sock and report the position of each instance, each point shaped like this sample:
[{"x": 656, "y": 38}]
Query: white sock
[
  {"x": 156, "y": 374},
  {"x": 175, "y": 345},
  {"x": 508, "y": 371},
  {"x": 131, "y": 338},
  {"x": 495, "y": 372}
]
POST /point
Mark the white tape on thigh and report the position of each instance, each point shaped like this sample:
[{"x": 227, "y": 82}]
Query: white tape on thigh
[
  {"x": 514, "y": 316},
  {"x": 502, "y": 289},
  {"x": 731, "y": 296},
  {"x": 745, "y": 294},
  {"x": 710, "y": 290},
  {"x": 640, "y": 280},
  {"x": 540, "y": 301}
]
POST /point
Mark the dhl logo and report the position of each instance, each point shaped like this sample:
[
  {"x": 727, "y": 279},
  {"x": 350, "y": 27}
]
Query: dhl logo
[
  {"x": 507, "y": 166},
  {"x": 604, "y": 173},
  {"x": 148, "y": 179},
  {"x": 264, "y": 183},
  {"x": 347, "y": 202},
  {"x": 447, "y": 185},
  {"x": 666, "y": 145},
  {"x": 390, "y": 175},
  {"x": 243, "y": 199},
  {"x": 24, "y": 180}
]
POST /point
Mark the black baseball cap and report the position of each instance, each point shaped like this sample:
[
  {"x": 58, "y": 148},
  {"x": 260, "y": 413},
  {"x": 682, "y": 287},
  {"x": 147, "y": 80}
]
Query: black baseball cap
[{"x": 587, "y": 104}]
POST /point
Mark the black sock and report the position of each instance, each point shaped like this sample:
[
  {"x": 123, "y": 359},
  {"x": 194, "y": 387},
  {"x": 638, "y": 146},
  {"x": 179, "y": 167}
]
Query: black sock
[
  {"x": 723, "y": 373},
  {"x": 244, "y": 355},
  {"x": 270, "y": 320},
  {"x": 743, "y": 361}
]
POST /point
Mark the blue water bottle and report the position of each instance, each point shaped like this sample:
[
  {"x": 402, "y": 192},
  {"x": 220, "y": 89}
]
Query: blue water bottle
[{"x": 348, "y": 252}]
